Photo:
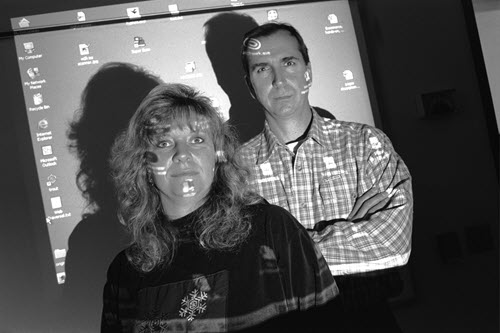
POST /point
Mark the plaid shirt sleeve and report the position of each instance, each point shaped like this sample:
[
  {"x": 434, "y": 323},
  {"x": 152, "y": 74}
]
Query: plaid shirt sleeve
[{"x": 384, "y": 239}]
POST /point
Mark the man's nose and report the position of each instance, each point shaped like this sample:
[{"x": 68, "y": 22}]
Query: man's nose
[{"x": 278, "y": 77}]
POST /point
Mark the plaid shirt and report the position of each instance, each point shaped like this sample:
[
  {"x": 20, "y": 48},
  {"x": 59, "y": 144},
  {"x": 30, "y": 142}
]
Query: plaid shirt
[{"x": 334, "y": 165}]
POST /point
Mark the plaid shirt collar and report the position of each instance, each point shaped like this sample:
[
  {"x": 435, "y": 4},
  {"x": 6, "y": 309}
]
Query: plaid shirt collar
[{"x": 269, "y": 142}]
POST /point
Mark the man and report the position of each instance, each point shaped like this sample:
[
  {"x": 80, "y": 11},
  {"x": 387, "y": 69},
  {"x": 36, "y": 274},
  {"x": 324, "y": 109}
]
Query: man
[{"x": 343, "y": 181}]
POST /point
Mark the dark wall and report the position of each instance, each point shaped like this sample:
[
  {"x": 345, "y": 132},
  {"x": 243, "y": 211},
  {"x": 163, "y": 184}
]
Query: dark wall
[
  {"x": 416, "y": 47},
  {"x": 420, "y": 47}
]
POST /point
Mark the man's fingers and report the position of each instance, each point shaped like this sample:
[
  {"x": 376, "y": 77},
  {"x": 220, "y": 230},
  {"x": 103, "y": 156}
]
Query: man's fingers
[
  {"x": 378, "y": 206},
  {"x": 370, "y": 205},
  {"x": 360, "y": 201}
]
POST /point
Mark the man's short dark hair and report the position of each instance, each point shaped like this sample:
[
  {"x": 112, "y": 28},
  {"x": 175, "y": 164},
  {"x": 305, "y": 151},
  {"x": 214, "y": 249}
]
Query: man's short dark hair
[{"x": 266, "y": 30}]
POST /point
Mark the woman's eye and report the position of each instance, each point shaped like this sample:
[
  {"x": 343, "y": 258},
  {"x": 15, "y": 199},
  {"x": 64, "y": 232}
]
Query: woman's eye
[
  {"x": 198, "y": 140},
  {"x": 163, "y": 144}
]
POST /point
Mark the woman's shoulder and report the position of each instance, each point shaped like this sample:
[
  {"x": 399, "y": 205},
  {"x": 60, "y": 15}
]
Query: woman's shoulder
[
  {"x": 121, "y": 267},
  {"x": 264, "y": 207},
  {"x": 275, "y": 218},
  {"x": 120, "y": 259}
]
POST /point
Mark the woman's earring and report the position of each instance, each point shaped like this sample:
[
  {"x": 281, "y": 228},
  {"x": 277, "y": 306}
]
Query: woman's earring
[{"x": 221, "y": 158}]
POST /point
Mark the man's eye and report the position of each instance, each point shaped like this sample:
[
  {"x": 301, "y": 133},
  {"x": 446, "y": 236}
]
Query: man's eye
[
  {"x": 290, "y": 63},
  {"x": 261, "y": 69}
]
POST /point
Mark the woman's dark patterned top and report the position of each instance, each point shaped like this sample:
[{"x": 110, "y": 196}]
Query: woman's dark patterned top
[{"x": 277, "y": 279}]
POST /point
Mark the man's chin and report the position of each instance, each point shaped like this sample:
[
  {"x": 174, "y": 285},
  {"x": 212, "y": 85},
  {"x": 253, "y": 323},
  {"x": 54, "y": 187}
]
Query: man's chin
[{"x": 284, "y": 111}]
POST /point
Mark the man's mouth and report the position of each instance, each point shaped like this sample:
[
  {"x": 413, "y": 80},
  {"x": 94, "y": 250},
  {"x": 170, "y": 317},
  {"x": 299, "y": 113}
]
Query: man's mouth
[{"x": 282, "y": 97}]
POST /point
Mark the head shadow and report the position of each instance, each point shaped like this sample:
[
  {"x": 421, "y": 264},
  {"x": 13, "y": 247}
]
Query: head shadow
[
  {"x": 108, "y": 101},
  {"x": 224, "y": 37}
]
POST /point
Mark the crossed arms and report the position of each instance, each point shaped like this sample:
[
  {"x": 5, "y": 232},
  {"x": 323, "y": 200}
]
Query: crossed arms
[{"x": 377, "y": 232}]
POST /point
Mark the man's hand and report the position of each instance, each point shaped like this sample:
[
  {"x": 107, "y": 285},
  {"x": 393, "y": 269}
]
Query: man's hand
[{"x": 370, "y": 202}]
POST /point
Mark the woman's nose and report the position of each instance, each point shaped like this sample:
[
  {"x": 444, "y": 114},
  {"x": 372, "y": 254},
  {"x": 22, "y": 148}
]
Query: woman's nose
[{"x": 182, "y": 153}]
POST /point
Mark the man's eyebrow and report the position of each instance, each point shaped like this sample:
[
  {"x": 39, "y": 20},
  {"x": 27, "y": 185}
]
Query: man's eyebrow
[{"x": 285, "y": 59}]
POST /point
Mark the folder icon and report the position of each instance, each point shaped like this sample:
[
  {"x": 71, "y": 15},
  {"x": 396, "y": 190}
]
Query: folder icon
[{"x": 59, "y": 253}]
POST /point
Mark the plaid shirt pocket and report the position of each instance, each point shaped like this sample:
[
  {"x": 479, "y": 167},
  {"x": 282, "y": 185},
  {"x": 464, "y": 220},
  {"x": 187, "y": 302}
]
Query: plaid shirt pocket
[{"x": 335, "y": 190}]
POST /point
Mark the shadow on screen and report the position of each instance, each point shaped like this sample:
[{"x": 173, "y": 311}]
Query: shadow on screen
[
  {"x": 108, "y": 102},
  {"x": 224, "y": 37}
]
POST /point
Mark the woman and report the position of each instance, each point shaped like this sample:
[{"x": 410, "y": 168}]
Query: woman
[{"x": 207, "y": 255}]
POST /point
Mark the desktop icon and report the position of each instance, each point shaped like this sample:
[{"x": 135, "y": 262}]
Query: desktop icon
[
  {"x": 139, "y": 42},
  {"x": 51, "y": 179},
  {"x": 43, "y": 124},
  {"x": 133, "y": 12},
  {"x": 80, "y": 16},
  {"x": 332, "y": 18},
  {"x": 47, "y": 150},
  {"x": 348, "y": 75},
  {"x": 61, "y": 277},
  {"x": 272, "y": 15},
  {"x": 173, "y": 9},
  {"x": 37, "y": 99},
  {"x": 56, "y": 202},
  {"x": 24, "y": 23},
  {"x": 29, "y": 47},
  {"x": 190, "y": 67},
  {"x": 349, "y": 83},
  {"x": 33, "y": 72},
  {"x": 59, "y": 253},
  {"x": 84, "y": 49}
]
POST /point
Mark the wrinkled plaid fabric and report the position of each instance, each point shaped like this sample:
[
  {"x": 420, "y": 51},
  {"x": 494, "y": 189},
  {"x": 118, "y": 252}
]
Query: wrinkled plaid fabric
[{"x": 319, "y": 184}]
